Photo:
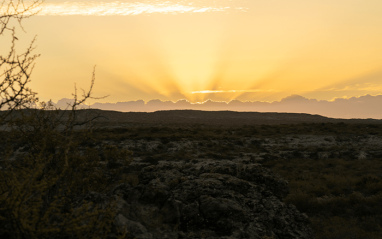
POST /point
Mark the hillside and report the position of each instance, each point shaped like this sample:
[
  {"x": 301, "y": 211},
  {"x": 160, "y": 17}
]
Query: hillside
[{"x": 222, "y": 118}]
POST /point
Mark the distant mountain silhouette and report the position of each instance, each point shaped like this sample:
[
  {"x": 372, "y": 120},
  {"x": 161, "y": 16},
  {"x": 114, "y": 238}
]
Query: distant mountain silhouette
[{"x": 356, "y": 107}]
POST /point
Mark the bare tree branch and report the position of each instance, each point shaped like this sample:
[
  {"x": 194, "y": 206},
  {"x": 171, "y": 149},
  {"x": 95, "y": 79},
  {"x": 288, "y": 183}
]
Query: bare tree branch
[{"x": 16, "y": 68}]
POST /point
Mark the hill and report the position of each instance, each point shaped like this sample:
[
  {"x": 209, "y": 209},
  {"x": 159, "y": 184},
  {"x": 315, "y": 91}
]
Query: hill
[{"x": 221, "y": 118}]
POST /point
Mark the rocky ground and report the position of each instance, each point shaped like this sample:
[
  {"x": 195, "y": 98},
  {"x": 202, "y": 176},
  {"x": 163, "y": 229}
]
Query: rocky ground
[
  {"x": 207, "y": 199},
  {"x": 333, "y": 172},
  {"x": 256, "y": 148}
]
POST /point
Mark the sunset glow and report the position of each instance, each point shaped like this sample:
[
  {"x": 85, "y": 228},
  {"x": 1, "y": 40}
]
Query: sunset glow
[{"x": 209, "y": 49}]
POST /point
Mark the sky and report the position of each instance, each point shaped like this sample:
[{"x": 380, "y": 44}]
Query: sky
[{"x": 198, "y": 50}]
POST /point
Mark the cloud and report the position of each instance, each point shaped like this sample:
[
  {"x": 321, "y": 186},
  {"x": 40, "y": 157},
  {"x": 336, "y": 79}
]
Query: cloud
[
  {"x": 129, "y": 8},
  {"x": 230, "y": 91}
]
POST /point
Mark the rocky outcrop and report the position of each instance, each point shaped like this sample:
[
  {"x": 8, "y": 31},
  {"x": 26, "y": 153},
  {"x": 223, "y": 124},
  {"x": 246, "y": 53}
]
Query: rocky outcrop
[{"x": 208, "y": 199}]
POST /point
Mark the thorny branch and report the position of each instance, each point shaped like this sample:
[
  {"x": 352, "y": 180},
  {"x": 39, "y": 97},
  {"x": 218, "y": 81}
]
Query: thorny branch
[{"x": 16, "y": 68}]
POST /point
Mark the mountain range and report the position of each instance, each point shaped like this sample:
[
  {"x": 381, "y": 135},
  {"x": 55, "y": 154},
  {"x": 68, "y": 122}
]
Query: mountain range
[{"x": 367, "y": 106}]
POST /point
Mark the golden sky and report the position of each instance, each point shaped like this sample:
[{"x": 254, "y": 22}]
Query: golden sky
[{"x": 256, "y": 50}]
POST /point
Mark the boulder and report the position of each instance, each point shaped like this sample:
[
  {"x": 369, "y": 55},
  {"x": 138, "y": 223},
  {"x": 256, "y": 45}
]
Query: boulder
[{"x": 208, "y": 199}]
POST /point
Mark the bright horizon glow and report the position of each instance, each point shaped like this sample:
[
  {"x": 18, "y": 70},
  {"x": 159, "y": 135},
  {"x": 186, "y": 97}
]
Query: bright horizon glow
[{"x": 198, "y": 50}]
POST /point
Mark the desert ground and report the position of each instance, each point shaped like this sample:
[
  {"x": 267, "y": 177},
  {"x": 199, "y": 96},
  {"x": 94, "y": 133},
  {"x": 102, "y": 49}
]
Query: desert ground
[
  {"x": 194, "y": 174},
  {"x": 333, "y": 166}
]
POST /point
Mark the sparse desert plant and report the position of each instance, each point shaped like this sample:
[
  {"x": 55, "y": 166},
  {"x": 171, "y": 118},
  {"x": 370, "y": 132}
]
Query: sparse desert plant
[
  {"x": 50, "y": 187},
  {"x": 46, "y": 190}
]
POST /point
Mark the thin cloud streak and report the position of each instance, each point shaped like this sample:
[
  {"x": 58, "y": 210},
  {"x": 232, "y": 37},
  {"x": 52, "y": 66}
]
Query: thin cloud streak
[
  {"x": 120, "y": 8},
  {"x": 230, "y": 91}
]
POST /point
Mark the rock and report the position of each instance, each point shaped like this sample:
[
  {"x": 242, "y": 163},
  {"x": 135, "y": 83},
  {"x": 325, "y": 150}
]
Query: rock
[
  {"x": 208, "y": 199},
  {"x": 134, "y": 229}
]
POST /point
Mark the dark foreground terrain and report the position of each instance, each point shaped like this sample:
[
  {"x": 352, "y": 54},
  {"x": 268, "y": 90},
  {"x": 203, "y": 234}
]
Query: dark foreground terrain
[
  {"x": 334, "y": 167},
  {"x": 210, "y": 175}
]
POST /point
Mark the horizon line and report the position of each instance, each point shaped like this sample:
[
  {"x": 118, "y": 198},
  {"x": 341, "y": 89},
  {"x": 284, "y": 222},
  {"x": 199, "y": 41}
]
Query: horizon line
[{"x": 291, "y": 97}]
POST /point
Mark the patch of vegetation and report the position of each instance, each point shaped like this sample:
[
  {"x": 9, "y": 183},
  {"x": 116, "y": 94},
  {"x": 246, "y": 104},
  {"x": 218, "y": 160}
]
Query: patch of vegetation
[
  {"x": 53, "y": 183},
  {"x": 341, "y": 197}
]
